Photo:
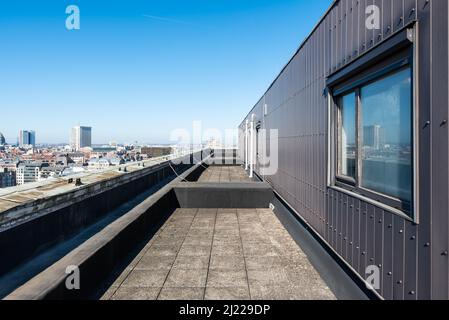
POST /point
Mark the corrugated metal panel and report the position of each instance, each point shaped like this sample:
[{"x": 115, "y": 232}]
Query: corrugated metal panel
[
  {"x": 411, "y": 257},
  {"x": 387, "y": 260},
  {"x": 424, "y": 230},
  {"x": 439, "y": 164},
  {"x": 398, "y": 262}
]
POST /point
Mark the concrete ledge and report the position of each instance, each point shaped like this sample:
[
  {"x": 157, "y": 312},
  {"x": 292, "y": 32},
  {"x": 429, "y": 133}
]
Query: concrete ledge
[
  {"x": 224, "y": 195},
  {"x": 46, "y": 228},
  {"x": 101, "y": 253},
  {"x": 35, "y": 226}
]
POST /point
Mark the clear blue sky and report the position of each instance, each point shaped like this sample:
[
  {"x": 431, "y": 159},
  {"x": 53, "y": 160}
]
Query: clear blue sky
[{"x": 138, "y": 69}]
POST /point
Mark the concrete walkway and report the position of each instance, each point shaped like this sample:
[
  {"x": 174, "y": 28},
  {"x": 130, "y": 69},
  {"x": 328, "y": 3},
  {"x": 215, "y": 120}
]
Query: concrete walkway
[
  {"x": 219, "y": 254},
  {"x": 224, "y": 174}
]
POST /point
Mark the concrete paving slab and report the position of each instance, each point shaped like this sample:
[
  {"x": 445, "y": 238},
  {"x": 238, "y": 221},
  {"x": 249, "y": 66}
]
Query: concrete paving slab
[
  {"x": 181, "y": 294},
  {"x": 227, "y": 262},
  {"x": 231, "y": 261},
  {"x": 136, "y": 293},
  {"x": 190, "y": 278},
  {"x": 226, "y": 278},
  {"x": 191, "y": 262},
  {"x": 228, "y": 293},
  {"x": 145, "y": 278}
]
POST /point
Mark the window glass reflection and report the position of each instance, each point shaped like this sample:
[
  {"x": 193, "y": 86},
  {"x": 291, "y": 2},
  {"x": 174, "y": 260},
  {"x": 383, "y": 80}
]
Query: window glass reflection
[
  {"x": 347, "y": 136},
  {"x": 387, "y": 137}
]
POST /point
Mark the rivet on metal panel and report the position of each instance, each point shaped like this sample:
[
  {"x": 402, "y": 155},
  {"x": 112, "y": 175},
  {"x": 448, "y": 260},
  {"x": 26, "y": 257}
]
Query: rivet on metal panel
[
  {"x": 411, "y": 293},
  {"x": 390, "y": 273},
  {"x": 445, "y": 253},
  {"x": 363, "y": 253},
  {"x": 401, "y": 231},
  {"x": 412, "y": 11},
  {"x": 350, "y": 243},
  {"x": 372, "y": 259},
  {"x": 390, "y": 226},
  {"x": 412, "y": 238},
  {"x": 380, "y": 220},
  {"x": 399, "y": 282},
  {"x": 379, "y": 265},
  {"x": 426, "y": 124},
  {"x": 371, "y": 217},
  {"x": 357, "y": 247},
  {"x": 427, "y": 244},
  {"x": 443, "y": 123}
]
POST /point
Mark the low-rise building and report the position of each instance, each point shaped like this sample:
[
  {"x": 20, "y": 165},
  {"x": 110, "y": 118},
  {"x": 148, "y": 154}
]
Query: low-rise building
[
  {"x": 50, "y": 172},
  {"x": 7, "y": 178},
  {"x": 27, "y": 173}
]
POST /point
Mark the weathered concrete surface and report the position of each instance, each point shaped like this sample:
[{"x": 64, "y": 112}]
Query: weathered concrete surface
[
  {"x": 100, "y": 254},
  {"x": 19, "y": 204},
  {"x": 217, "y": 254},
  {"x": 224, "y": 174},
  {"x": 43, "y": 215}
]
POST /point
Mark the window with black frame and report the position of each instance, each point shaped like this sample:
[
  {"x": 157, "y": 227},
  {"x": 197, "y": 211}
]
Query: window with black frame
[{"x": 374, "y": 138}]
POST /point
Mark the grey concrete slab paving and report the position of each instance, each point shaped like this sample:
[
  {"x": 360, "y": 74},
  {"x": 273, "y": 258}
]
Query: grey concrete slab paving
[
  {"x": 220, "y": 254},
  {"x": 224, "y": 174}
]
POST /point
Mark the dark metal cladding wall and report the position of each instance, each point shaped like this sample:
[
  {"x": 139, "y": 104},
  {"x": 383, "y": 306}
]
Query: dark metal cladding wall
[{"x": 413, "y": 258}]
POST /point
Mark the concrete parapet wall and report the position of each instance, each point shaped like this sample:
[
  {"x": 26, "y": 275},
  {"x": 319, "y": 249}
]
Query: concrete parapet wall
[{"x": 35, "y": 226}]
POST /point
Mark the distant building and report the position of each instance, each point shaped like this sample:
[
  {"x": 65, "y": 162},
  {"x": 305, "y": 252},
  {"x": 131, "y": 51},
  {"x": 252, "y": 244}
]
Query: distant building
[
  {"x": 2, "y": 139},
  {"x": 77, "y": 157},
  {"x": 7, "y": 178},
  {"x": 154, "y": 152},
  {"x": 27, "y": 138},
  {"x": 373, "y": 136},
  {"x": 81, "y": 137},
  {"x": 66, "y": 159},
  {"x": 49, "y": 172},
  {"x": 27, "y": 173}
]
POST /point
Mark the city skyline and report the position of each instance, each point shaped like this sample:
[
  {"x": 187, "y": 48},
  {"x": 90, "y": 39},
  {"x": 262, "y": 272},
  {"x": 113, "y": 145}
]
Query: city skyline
[{"x": 69, "y": 140}]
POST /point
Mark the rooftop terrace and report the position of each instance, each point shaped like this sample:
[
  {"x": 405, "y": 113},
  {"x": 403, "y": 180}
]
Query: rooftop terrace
[
  {"x": 220, "y": 254},
  {"x": 212, "y": 233}
]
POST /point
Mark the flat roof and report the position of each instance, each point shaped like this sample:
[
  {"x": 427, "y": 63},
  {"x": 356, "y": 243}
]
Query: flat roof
[{"x": 220, "y": 254}]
